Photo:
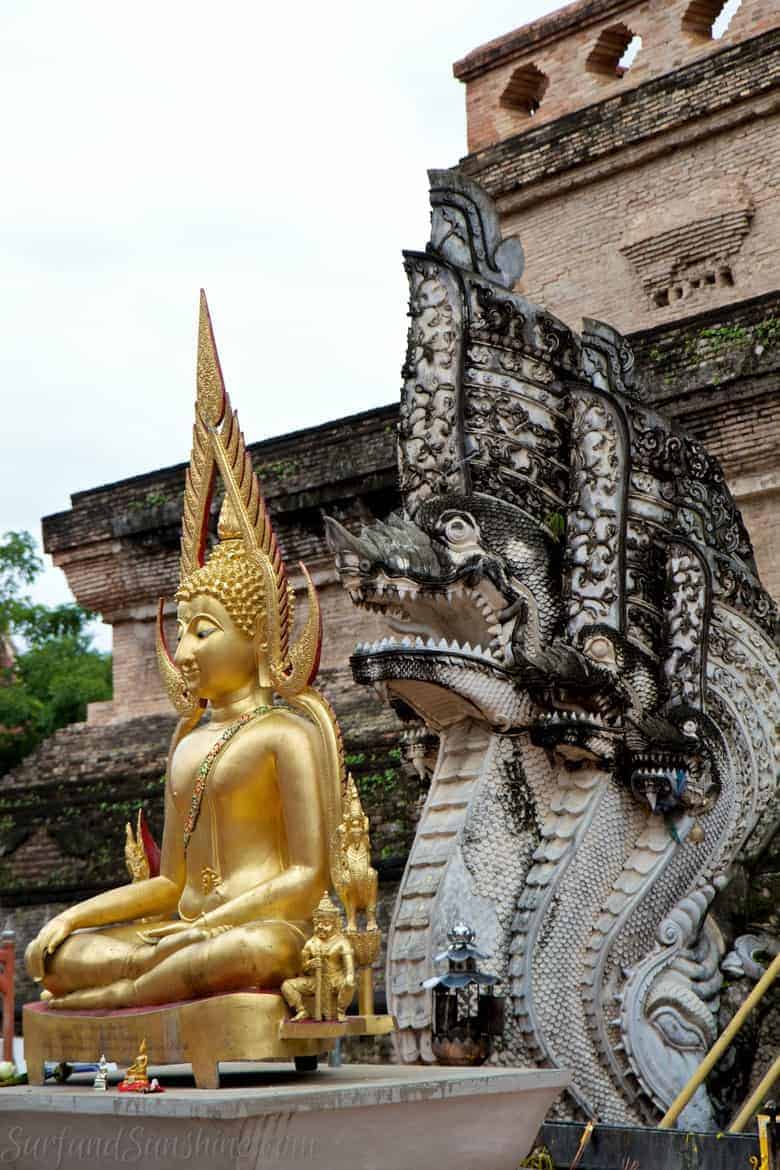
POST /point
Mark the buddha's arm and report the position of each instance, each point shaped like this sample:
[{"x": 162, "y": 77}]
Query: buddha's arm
[
  {"x": 158, "y": 895},
  {"x": 292, "y": 892}
]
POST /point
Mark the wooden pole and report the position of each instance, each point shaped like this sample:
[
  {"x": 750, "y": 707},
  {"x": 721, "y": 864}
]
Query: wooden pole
[
  {"x": 721, "y": 1044},
  {"x": 756, "y": 1098}
]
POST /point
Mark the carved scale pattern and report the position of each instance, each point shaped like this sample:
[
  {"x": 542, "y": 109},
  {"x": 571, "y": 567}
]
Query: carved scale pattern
[{"x": 410, "y": 948}]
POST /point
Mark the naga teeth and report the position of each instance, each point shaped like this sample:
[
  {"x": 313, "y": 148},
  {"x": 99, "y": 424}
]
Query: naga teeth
[{"x": 407, "y": 643}]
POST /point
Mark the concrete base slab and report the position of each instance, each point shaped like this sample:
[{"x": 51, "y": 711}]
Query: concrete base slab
[{"x": 358, "y": 1117}]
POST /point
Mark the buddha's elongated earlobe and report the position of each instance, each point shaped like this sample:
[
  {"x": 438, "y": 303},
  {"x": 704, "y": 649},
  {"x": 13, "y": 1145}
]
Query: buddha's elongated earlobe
[{"x": 176, "y": 689}]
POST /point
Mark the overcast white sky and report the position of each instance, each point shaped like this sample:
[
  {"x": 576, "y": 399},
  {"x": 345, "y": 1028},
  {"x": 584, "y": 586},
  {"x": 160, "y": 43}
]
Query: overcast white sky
[{"x": 274, "y": 154}]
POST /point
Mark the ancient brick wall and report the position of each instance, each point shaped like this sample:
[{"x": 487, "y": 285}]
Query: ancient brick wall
[
  {"x": 576, "y": 53},
  {"x": 649, "y": 199},
  {"x": 717, "y": 375},
  {"x": 653, "y": 204}
]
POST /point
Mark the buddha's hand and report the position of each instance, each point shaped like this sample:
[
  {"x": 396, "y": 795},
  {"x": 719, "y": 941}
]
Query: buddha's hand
[
  {"x": 45, "y": 943},
  {"x": 174, "y": 936}
]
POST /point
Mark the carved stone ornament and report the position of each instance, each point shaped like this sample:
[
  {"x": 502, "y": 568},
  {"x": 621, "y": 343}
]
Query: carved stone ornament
[{"x": 573, "y": 609}]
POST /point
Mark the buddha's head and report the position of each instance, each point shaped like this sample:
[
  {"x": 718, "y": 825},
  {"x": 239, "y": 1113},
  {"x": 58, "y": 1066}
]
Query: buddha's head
[
  {"x": 235, "y": 610},
  {"x": 221, "y": 612}
]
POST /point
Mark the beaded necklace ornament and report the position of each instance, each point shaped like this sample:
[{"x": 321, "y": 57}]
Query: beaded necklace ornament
[{"x": 208, "y": 764}]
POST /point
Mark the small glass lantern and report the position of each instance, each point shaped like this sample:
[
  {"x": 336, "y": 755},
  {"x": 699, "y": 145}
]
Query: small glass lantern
[{"x": 466, "y": 1012}]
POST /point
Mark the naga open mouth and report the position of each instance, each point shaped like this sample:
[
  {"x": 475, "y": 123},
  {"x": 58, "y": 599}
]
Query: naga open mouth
[
  {"x": 451, "y": 617},
  {"x": 444, "y": 679}
]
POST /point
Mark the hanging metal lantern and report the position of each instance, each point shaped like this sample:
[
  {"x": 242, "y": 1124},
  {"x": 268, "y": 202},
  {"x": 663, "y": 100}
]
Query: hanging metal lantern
[{"x": 466, "y": 1012}]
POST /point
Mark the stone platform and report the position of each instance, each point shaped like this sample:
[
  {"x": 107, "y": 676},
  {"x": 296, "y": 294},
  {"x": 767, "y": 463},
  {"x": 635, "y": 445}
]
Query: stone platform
[
  {"x": 357, "y": 1117},
  {"x": 243, "y": 1025}
]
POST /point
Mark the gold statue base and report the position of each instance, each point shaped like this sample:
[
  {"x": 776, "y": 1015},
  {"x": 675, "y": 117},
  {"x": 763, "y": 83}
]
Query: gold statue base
[
  {"x": 243, "y": 1025},
  {"x": 335, "y": 1029}
]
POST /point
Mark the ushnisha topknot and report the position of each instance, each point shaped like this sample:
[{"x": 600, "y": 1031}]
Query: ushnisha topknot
[{"x": 229, "y": 575}]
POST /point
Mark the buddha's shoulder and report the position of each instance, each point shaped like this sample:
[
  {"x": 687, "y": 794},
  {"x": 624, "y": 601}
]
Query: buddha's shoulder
[{"x": 280, "y": 723}]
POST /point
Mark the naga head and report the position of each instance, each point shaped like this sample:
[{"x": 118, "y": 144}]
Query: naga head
[{"x": 549, "y": 572}]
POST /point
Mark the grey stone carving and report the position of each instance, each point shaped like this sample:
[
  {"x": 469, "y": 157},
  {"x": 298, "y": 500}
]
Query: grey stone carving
[{"x": 573, "y": 608}]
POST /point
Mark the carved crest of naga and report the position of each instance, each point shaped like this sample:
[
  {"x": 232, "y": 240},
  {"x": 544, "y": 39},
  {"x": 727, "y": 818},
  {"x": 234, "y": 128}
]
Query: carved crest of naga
[{"x": 573, "y": 607}]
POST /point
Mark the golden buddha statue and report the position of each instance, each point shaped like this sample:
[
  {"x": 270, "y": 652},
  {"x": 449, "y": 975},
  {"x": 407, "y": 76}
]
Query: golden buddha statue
[
  {"x": 138, "y": 1072},
  {"x": 254, "y": 793}
]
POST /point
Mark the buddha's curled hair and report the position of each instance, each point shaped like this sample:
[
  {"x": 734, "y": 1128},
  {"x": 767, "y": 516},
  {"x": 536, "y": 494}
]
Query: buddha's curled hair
[{"x": 232, "y": 578}]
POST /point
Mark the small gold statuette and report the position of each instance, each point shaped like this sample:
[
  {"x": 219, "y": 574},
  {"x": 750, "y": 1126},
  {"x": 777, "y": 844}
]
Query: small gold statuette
[
  {"x": 100, "y": 1083},
  {"x": 328, "y": 965},
  {"x": 136, "y": 1079},
  {"x": 356, "y": 883},
  {"x": 137, "y": 1076}
]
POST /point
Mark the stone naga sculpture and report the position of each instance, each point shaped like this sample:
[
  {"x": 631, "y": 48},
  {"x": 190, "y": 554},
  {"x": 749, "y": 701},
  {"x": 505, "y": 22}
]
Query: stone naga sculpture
[{"x": 573, "y": 607}]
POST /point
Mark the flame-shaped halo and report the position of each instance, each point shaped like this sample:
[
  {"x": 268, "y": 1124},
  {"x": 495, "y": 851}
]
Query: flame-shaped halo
[{"x": 218, "y": 445}]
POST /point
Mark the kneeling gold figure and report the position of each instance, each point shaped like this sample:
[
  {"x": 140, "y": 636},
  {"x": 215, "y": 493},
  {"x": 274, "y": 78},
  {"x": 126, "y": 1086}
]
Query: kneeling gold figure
[
  {"x": 253, "y": 796},
  {"x": 328, "y": 965}
]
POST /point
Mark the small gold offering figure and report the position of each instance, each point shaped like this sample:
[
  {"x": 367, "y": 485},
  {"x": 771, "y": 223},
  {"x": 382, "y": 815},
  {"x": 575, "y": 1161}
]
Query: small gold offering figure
[
  {"x": 136, "y": 1078},
  {"x": 329, "y": 969},
  {"x": 354, "y": 878}
]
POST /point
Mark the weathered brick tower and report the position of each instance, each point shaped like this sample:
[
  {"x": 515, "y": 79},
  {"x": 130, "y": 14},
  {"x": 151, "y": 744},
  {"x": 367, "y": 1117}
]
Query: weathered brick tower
[{"x": 646, "y": 196}]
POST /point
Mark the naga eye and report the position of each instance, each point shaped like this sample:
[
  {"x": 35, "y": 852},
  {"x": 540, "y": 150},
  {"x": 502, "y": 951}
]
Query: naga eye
[
  {"x": 601, "y": 650},
  {"x": 365, "y": 566},
  {"x": 458, "y": 528}
]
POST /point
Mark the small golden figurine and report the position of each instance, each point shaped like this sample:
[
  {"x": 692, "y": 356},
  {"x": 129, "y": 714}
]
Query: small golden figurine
[
  {"x": 353, "y": 876},
  {"x": 136, "y": 1079},
  {"x": 329, "y": 969}
]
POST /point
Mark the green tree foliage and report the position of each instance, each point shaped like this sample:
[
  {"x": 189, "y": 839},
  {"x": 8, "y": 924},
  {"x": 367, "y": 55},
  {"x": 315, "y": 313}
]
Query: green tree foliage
[{"x": 57, "y": 672}]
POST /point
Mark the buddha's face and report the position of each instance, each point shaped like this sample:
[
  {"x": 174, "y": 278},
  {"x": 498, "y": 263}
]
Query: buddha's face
[{"x": 214, "y": 656}]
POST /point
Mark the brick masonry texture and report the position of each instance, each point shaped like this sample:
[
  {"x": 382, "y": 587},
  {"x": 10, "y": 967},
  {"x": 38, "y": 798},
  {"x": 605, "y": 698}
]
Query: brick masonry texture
[{"x": 559, "y": 47}]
